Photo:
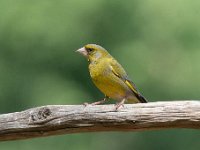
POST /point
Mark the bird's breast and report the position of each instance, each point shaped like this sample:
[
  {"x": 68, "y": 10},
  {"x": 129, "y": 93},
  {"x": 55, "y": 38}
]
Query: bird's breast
[{"x": 97, "y": 69}]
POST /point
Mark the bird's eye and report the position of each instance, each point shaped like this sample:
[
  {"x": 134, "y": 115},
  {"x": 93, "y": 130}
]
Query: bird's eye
[{"x": 89, "y": 49}]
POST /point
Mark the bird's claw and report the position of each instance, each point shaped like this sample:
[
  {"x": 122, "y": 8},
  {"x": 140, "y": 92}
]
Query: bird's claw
[
  {"x": 86, "y": 104},
  {"x": 92, "y": 104},
  {"x": 117, "y": 106}
]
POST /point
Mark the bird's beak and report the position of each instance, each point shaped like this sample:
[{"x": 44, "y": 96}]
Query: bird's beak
[{"x": 82, "y": 51}]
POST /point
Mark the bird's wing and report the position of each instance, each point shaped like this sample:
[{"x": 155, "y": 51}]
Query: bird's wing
[{"x": 118, "y": 70}]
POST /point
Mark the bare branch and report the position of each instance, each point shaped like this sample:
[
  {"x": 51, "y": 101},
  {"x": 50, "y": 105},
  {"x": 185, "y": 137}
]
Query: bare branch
[{"x": 67, "y": 119}]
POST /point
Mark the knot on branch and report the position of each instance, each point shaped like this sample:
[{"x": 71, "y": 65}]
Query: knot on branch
[{"x": 39, "y": 116}]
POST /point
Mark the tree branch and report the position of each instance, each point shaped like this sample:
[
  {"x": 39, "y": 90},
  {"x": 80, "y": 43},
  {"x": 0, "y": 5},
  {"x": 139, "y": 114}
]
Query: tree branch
[{"x": 67, "y": 119}]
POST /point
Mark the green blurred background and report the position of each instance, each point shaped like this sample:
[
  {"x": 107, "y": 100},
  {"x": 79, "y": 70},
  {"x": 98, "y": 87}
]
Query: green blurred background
[{"x": 157, "y": 42}]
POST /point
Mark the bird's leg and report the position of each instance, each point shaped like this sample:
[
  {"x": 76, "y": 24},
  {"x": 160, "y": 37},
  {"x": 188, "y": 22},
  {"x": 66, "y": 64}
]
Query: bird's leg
[
  {"x": 121, "y": 103},
  {"x": 98, "y": 102}
]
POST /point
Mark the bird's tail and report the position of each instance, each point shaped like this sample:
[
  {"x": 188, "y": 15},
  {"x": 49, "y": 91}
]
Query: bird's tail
[{"x": 141, "y": 98}]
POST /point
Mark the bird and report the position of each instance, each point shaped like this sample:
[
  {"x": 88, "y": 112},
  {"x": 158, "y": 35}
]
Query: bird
[{"x": 110, "y": 77}]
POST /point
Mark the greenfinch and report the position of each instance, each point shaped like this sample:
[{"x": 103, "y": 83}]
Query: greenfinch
[{"x": 110, "y": 77}]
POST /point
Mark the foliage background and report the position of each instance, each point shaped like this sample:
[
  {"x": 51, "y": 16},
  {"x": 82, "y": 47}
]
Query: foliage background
[{"x": 157, "y": 42}]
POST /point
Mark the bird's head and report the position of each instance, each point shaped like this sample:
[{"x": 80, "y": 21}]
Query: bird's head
[{"x": 93, "y": 52}]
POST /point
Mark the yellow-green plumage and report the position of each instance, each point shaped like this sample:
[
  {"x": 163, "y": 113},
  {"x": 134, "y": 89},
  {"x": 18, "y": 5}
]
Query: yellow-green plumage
[
  {"x": 109, "y": 76},
  {"x": 106, "y": 80}
]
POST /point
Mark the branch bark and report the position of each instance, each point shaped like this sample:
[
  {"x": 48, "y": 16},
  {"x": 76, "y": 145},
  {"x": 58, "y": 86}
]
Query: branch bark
[{"x": 67, "y": 119}]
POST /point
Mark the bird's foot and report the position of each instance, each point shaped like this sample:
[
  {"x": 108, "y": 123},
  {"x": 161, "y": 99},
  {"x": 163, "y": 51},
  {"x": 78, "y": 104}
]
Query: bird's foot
[
  {"x": 118, "y": 105},
  {"x": 86, "y": 104},
  {"x": 96, "y": 103},
  {"x": 99, "y": 102}
]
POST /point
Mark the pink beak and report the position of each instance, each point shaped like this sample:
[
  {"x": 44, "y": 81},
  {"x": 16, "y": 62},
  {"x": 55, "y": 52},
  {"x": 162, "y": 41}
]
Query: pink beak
[{"x": 82, "y": 51}]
